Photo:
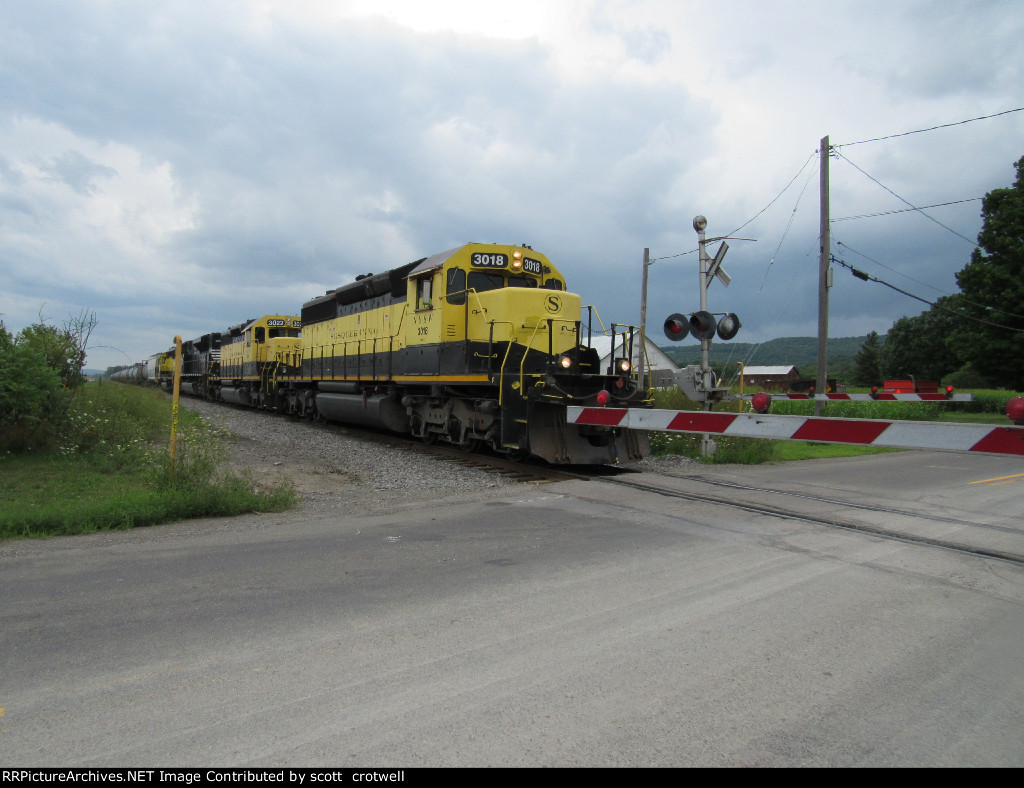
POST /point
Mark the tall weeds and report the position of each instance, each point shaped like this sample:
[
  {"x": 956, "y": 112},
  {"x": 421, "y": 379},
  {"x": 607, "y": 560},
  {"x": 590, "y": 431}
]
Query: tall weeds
[{"x": 112, "y": 470}]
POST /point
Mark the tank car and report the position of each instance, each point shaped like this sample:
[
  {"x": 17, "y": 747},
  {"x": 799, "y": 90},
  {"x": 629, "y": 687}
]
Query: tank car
[{"x": 135, "y": 373}]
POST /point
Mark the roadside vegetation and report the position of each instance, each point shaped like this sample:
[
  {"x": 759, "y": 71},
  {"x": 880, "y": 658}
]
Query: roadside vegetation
[
  {"x": 79, "y": 457},
  {"x": 988, "y": 407}
]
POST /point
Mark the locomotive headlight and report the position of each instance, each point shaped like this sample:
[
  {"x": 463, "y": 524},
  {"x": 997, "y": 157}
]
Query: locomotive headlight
[
  {"x": 565, "y": 362},
  {"x": 517, "y": 260},
  {"x": 623, "y": 366}
]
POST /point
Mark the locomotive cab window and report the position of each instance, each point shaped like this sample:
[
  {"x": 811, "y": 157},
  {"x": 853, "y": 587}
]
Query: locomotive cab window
[
  {"x": 261, "y": 334},
  {"x": 423, "y": 290},
  {"x": 553, "y": 284},
  {"x": 456, "y": 291},
  {"x": 482, "y": 282}
]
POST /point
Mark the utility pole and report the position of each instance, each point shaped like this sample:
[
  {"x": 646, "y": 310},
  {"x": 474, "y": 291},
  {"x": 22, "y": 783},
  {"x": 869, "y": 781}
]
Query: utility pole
[
  {"x": 824, "y": 275},
  {"x": 643, "y": 316}
]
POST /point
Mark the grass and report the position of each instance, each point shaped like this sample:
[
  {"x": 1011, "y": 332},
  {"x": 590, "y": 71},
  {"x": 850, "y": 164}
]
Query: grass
[
  {"x": 110, "y": 469},
  {"x": 802, "y": 450}
]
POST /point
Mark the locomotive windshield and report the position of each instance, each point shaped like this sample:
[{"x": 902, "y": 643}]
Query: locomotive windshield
[{"x": 482, "y": 281}]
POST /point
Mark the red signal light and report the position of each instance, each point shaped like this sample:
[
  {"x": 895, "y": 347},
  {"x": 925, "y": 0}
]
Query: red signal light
[
  {"x": 702, "y": 325},
  {"x": 676, "y": 327},
  {"x": 1015, "y": 410},
  {"x": 761, "y": 401},
  {"x": 603, "y": 397},
  {"x": 949, "y": 391}
]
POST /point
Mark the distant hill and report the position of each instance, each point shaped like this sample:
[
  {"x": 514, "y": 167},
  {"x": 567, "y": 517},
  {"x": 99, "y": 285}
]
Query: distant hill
[{"x": 801, "y": 352}]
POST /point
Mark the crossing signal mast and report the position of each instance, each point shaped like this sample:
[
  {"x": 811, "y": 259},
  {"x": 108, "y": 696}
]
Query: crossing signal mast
[{"x": 699, "y": 383}]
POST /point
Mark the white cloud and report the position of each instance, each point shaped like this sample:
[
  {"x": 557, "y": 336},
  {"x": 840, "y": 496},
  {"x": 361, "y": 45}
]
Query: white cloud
[
  {"x": 91, "y": 217},
  {"x": 271, "y": 150}
]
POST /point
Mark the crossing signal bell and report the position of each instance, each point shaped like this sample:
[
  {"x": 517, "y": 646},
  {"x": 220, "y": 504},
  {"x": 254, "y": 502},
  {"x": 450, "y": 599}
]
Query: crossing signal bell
[{"x": 701, "y": 325}]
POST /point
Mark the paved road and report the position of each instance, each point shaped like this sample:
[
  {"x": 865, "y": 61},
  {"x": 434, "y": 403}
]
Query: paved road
[{"x": 580, "y": 623}]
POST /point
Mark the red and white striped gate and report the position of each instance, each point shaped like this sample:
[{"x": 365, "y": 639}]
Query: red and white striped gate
[
  {"x": 867, "y": 432},
  {"x": 882, "y": 396}
]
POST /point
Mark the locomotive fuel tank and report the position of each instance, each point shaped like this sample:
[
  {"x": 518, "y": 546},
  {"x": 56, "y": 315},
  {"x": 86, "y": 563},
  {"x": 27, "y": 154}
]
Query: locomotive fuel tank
[{"x": 378, "y": 411}]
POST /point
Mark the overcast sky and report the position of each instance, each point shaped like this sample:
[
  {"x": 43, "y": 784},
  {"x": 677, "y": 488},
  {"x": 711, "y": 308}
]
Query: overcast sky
[{"x": 177, "y": 167}]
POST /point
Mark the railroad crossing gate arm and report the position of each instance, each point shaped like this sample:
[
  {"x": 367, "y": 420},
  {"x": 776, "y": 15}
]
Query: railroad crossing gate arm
[{"x": 866, "y": 432}]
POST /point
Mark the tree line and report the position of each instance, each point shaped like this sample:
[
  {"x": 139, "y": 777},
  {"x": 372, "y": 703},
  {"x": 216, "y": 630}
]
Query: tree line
[{"x": 974, "y": 338}]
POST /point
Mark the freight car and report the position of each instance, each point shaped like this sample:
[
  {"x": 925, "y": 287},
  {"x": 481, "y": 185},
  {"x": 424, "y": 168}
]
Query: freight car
[
  {"x": 136, "y": 373},
  {"x": 481, "y": 345}
]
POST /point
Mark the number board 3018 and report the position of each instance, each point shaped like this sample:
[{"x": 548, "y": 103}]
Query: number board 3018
[{"x": 493, "y": 260}]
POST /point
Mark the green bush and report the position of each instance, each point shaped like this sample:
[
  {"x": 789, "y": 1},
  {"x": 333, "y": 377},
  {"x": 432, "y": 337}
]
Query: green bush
[{"x": 32, "y": 397}]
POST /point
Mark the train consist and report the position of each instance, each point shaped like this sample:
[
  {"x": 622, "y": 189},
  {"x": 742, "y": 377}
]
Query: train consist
[{"x": 481, "y": 345}]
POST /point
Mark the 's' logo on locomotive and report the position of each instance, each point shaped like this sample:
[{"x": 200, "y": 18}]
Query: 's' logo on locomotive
[{"x": 553, "y": 304}]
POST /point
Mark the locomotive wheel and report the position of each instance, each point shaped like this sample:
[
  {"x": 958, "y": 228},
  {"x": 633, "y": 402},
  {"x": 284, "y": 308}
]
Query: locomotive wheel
[
  {"x": 430, "y": 438},
  {"x": 471, "y": 445}
]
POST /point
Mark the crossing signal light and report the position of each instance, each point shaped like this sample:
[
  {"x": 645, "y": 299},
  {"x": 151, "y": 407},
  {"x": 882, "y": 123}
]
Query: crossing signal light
[
  {"x": 702, "y": 325},
  {"x": 728, "y": 326},
  {"x": 676, "y": 327}
]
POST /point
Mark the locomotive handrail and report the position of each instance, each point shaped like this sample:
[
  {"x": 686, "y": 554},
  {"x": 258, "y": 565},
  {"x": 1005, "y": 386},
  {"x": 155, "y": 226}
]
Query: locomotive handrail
[
  {"x": 592, "y": 310},
  {"x": 529, "y": 345},
  {"x": 504, "y": 361}
]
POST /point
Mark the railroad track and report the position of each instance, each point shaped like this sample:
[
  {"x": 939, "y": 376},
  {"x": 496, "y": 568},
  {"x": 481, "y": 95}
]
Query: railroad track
[
  {"x": 820, "y": 510},
  {"x": 970, "y": 540},
  {"x": 526, "y": 471}
]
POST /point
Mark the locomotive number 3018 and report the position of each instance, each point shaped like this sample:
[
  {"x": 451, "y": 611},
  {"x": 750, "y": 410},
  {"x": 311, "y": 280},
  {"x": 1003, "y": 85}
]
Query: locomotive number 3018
[{"x": 483, "y": 260}]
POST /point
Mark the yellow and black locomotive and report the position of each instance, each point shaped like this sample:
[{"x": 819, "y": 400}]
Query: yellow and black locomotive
[{"x": 481, "y": 345}]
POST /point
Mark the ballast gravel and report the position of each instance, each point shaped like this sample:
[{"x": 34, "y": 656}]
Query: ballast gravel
[{"x": 332, "y": 470}]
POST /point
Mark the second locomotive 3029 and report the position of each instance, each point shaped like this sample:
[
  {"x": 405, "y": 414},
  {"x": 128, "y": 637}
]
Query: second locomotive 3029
[{"x": 479, "y": 345}]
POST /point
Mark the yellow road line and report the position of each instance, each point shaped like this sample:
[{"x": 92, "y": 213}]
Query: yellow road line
[{"x": 998, "y": 479}]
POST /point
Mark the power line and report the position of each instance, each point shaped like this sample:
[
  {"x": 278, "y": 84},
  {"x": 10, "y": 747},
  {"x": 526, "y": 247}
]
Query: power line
[
  {"x": 898, "y": 273},
  {"x": 784, "y": 190},
  {"x": 769, "y": 205},
  {"x": 918, "y": 281},
  {"x": 932, "y": 128},
  {"x": 906, "y": 202},
  {"x": 836, "y": 148},
  {"x": 785, "y": 232},
  {"x": 906, "y": 210},
  {"x": 868, "y": 278}
]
